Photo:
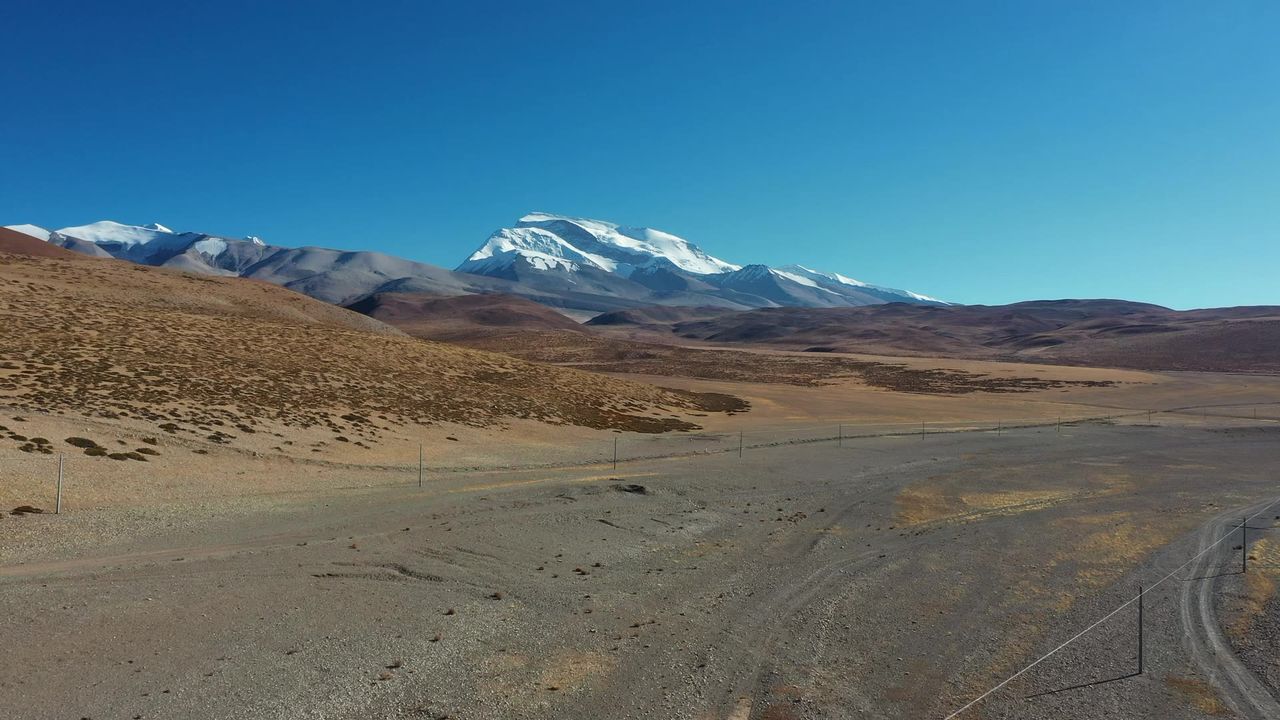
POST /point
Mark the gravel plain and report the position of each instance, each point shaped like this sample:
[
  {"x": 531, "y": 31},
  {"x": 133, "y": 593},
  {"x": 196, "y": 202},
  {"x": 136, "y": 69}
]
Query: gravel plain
[{"x": 893, "y": 577}]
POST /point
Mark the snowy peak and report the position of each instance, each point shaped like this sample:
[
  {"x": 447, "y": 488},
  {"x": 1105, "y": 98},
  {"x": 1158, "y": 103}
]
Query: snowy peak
[
  {"x": 156, "y": 244},
  {"x": 818, "y": 275},
  {"x": 34, "y": 231},
  {"x": 668, "y": 265},
  {"x": 827, "y": 279},
  {"x": 558, "y": 242},
  {"x": 111, "y": 232}
]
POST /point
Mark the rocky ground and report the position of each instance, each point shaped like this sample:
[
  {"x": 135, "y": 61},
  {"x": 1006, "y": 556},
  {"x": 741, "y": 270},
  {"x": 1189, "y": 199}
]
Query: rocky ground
[{"x": 888, "y": 577}]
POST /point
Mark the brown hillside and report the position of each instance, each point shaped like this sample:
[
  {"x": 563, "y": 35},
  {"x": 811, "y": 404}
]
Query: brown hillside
[
  {"x": 1110, "y": 333},
  {"x": 216, "y": 359},
  {"x": 461, "y": 317}
]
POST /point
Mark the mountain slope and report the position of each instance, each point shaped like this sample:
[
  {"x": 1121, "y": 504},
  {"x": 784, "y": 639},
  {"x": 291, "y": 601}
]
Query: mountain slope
[
  {"x": 462, "y": 317},
  {"x": 34, "y": 231},
  {"x": 228, "y": 360},
  {"x": 15, "y": 242}
]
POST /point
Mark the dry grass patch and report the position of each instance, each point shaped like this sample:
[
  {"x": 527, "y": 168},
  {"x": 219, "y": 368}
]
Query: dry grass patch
[
  {"x": 1198, "y": 693},
  {"x": 570, "y": 669},
  {"x": 1258, "y": 590},
  {"x": 923, "y": 504},
  {"x": 1106, "y": 545}
]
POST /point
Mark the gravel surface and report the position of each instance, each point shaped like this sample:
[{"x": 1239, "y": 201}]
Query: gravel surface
[{"x": 892, "y": 577}]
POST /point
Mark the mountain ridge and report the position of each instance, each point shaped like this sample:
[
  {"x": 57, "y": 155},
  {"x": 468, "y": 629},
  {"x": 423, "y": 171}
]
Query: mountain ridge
[{"x": 579, "y": 266}]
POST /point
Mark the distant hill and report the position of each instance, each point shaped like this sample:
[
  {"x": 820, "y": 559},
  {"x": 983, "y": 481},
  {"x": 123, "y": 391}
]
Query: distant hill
[
  {"x": 1111, "y": 333},
  {"x": 462, "y": 317}
]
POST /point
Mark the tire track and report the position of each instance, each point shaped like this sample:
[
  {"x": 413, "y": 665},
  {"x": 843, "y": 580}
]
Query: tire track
[{"x": 1238, "y": 687}]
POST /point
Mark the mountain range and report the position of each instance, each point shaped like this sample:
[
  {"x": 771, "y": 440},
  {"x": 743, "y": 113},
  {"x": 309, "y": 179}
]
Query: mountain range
[{"x": 581, "y": 267}]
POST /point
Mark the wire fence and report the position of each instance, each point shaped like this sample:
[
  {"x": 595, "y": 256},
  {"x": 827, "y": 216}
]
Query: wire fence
[
  {"x": 39, "y": 475},
  {"x": 1132, "y": 646},
  {"x": 634, "y": 447}
]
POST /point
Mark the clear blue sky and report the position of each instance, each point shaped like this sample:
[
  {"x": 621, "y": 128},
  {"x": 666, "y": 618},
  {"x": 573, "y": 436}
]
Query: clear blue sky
[{"x": 977, "y": 151}]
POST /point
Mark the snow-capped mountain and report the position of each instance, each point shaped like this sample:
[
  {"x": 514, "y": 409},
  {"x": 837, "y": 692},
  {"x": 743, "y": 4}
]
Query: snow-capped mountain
[
  {"x": 550, "y": 242},
  {"x": 542, "y": 244},
  {"x": 335, "y": 276},
  {"x": 583, "y": 267},
  {"x": 155, "y": 244}
]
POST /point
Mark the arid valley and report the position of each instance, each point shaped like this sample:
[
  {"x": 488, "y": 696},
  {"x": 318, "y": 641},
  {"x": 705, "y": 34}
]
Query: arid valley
[{"x": 274, "y": 507}]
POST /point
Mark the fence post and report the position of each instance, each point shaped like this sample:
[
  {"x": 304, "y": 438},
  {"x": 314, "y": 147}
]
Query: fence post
[
  {"x": 739, "y": 443},
  {"x": 1141, "y": 593},
  {"x": 921, "y": 429},
  {"x": 1244, "y": 545},
  {"x": 58, "y": 505},
  {"x": 419, "y": 464},
  {"x": 840, "y": 436},
  {"x": 615, "y": 452},
  {"x": 1059, "y": 424}
]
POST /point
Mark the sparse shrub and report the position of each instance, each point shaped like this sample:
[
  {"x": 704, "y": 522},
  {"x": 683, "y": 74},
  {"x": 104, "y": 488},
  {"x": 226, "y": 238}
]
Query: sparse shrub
[
  {"x": 150, "y": 441},
  {"x": 40, "y": 440},
  {"x": 81, "y": 442},
  {"x": 147, "y": 451},
  {"x": 95, "y": 451}
]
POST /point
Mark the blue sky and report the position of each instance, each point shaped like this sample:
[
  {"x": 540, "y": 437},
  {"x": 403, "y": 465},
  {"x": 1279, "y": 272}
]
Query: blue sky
[{"x": 982, "y": 152}]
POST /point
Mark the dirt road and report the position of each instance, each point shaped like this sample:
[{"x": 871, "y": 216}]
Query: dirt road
[{"x": 1218, "y": 541}]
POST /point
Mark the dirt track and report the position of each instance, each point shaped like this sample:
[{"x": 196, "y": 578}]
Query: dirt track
[{"x": 893, "y": 577}]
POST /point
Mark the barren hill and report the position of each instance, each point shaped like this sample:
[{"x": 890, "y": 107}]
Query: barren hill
[
  {"x": 461, "y": 317},
  {"x": 1111, "y": 333},
  {"x": 216, "y": 359}
]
